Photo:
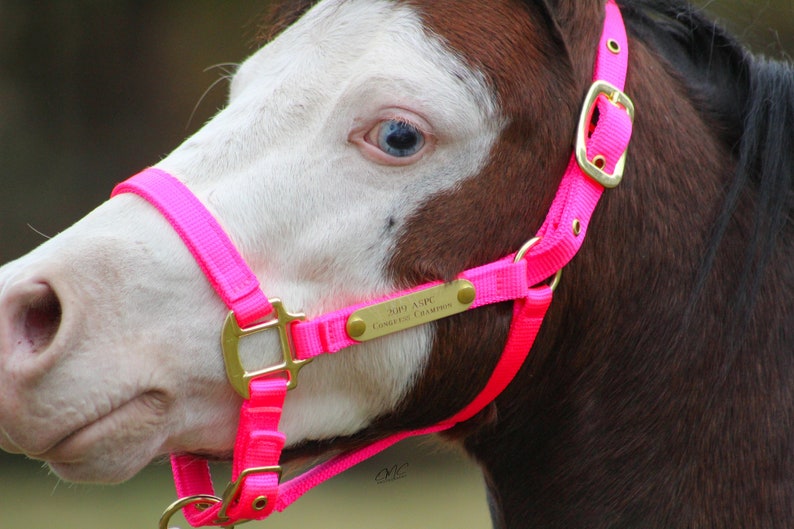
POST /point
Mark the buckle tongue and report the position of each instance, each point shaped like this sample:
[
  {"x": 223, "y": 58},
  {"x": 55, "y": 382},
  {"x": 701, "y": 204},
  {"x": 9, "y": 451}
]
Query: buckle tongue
[{"x": 238, "y": 377}]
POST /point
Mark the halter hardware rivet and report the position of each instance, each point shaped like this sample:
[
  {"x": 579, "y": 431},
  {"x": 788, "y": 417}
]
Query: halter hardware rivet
[
  {"x": 599, "y": 161},
  {"x": 259, "y": 503},
  {"x": 577, "y": 227},
  {"x": 613, "y": 46},
  {"x": 467, "y": 294},
  {"x": 356, "y": 327}
]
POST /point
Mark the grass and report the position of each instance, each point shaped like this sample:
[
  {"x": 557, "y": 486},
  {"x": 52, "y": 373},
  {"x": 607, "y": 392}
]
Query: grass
[{"x": 438, "y": 490}]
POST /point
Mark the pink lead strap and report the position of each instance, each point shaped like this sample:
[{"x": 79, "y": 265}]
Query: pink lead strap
[{"x": 256, "y": 489}]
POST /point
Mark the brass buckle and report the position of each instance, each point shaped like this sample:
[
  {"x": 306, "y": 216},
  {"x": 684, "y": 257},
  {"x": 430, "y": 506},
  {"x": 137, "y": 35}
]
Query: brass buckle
[
  {"x": 205, "y": 501},
  {"x": 618, "y": 98},
  {"x": 233, "y": 488},
  {"x": 238, "y": 377}
]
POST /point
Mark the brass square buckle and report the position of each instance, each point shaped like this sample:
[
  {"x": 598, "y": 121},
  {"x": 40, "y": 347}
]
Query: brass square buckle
[
  {"x": 205, "y": 501},
  {"x": 238, "y": 377},
  {"x": 618, "y": 98},
  {"x": 233, "y": 489}
]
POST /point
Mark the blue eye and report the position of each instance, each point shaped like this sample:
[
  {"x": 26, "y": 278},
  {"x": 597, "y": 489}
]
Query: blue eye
[{"x": 398, "y": 138}]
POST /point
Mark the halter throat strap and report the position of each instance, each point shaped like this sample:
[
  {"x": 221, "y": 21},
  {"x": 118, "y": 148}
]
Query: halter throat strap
[{"x": 256, "y": 489}]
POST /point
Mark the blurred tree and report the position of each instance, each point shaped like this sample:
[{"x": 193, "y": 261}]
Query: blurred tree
[
  {"x": 766, "y": 26},
  {"x": 93, "y": 91}
]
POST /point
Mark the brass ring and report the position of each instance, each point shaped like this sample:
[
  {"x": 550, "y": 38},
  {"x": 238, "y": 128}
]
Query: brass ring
[
  {"x": 184, "y": 502},
  {"x": 555, "y": 281}
]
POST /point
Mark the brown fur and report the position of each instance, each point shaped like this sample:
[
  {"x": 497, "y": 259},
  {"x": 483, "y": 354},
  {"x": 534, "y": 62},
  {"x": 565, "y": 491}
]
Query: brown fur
[
  {"x": 636, "y": 408},
  {"x": 626, "y": 415}
]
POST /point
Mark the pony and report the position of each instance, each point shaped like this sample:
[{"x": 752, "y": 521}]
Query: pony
[{"x": 375, "y": 145}]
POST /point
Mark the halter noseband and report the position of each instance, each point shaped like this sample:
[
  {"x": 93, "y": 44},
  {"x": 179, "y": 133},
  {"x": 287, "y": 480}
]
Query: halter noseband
[{"x": 255, "y": 490}]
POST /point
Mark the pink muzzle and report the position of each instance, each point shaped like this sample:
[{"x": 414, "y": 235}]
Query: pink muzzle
[{"x": 256, "y": 489}]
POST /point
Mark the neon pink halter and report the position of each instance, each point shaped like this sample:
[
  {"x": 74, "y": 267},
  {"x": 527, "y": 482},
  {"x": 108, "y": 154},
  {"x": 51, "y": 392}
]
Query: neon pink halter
[{"x": 255, "y": 490}]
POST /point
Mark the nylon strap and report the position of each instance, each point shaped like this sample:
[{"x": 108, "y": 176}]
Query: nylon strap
[
  {"x": 212, "y": 249},
  {"x": 255, "y": 491}
]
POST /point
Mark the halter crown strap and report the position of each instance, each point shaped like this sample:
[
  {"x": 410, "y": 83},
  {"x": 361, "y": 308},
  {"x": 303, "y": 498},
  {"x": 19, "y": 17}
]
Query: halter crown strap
[{"x": 255, "y": 490}]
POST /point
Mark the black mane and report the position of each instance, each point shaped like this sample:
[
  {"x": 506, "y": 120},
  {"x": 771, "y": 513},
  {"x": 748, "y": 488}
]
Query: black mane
[{"x": 749, "y": 101}]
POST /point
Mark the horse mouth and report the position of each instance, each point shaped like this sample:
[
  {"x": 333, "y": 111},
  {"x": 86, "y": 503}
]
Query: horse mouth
[{"x": 76, "y": 445}]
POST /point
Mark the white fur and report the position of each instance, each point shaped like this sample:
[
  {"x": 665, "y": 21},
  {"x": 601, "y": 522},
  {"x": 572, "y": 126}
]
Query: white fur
[{"x": 284, "y": 173}]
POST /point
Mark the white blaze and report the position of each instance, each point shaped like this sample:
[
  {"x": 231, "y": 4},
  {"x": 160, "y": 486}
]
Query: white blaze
[
  {"x": 309, "y": 211},
  {"x": 316, "y": 216}
]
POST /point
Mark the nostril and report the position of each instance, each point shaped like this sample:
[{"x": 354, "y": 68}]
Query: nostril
[{"x": 38, "y": 319}]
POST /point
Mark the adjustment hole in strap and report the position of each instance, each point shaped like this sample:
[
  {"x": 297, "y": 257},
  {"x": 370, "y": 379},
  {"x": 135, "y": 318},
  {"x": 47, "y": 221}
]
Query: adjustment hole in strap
[{"x": 576, "y": 227}]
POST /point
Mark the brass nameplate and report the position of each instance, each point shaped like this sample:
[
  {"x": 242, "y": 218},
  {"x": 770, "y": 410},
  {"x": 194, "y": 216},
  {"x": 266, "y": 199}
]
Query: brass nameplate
[{"x": 410, "y": 310}]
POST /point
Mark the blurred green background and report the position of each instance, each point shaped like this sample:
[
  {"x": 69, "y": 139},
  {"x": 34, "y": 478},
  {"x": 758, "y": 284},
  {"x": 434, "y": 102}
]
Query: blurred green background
[{"x": 91, "y": 91}]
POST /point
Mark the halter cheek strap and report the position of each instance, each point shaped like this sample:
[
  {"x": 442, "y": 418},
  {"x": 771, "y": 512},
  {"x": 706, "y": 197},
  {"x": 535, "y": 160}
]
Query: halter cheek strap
[{"x": 256, "y": 489}]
